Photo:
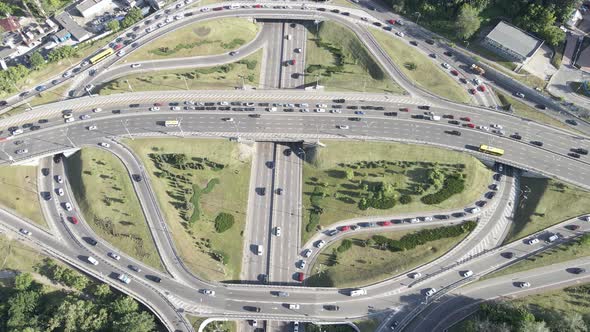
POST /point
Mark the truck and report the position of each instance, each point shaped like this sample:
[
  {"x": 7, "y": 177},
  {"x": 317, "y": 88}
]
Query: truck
[
  {"x": 358, "y": 292},
  {"x": 124, "y": 278},
  {"x": 477, "y": 69}
]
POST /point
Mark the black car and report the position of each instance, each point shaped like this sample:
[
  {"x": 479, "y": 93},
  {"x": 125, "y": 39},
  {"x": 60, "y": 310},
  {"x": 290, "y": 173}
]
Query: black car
[
  {"x": 459, "y": 214},
  {"x": 261, "y": 191},
  {"x": 507, "y": 254},
  {"x": 537, "y": 143},
  {"x": 429, "y": 41},
  {"x": 321, "y": 9},
  {"x": 116, "y": 111},
  {"x": 279, "y": 191},
  {"x": 541, "y": 106},
  {"x": 377, "y": 24},
  {"x": 335, "y": 11},
  {"x": 43, "y": 121},
  {"x": 448, "y": 53},
  {"x": 572, "y": 122},
  {"x": 574, "y": 155},
  {"x": 454, "y": 132},
  {"x": 33, "y": 128},
  {"x": 490, "y": 195},
  {"x": 413, "y": 42},
  {"x": 354, "y": 119},
  {"x": 57, "y": 158},
  {"x": 455, "y": 122},
  {"x": 134, "y": 105},
  {"x": 45, "y": 171},
  {"x": 251, "y": 308},
  {"x": 390, "y": 113},
  {"x": 91, "y": 241},
  {"x": 424, "y": 107},
  {"x": 352, "y": 107},
  {"x": 136, "y": 177},
  {"x": 393, "y": 325},
  {"x": 576, "y": 270},
  {"x": 254, "y": 115},
  {"x": 153, "y": 278},
  {"x": 516, "y": 136},
  {"x": 580, "y": 151},
  {"x": 331, "y": 307}
]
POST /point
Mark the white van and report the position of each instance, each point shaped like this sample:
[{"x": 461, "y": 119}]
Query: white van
[
  {"x": 467, "y": 274},
  {"x": 288, "y": 37},
  {"x": 259, "y": 250},
  {"x": 92, "y": 260},
  {"x": 358, "y": 292},
  {"x": 553, "y": 238}
]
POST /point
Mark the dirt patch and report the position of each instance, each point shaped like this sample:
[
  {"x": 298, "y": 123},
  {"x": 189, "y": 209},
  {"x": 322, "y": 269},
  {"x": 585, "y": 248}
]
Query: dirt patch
[
  {"x": 245, "y": 152},
  {"x": 202, "y": 31}
]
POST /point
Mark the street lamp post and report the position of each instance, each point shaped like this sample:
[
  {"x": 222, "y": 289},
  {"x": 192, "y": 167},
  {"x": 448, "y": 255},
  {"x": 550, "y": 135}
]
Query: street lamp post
[
  {"x": 180, "y": 127},
  {"x": 65, "y": 131},
  {"x": 419, "y": 15},
  {"x": 124, "y": 122}
]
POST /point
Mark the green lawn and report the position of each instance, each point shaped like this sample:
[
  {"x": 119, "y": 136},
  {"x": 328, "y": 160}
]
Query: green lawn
[
  {"x": 365, "y": 265},
  {"x": 19, "y": 192},
  {"x": 198, "y": 241},
  {"x": 561, "y": 253},
  {"x": 404, "y": 172},
  {"x": 549, "y": 202},
  {"x": 475, "y": 47},
  {"x": 368, "y": 325},
  {"x": 45, "y": 97},
  {"x": 228, "y": 326},
  {"x": 202, "y": 38},
  {"x": 523, "y": 110},
  {"x": 427, "y": 74},
  {"x": 222, "y": 77},
  {"x": 16, "y": 256},
  {"x": 109, "y": 204},
  {"x": 359, "y": 72}
]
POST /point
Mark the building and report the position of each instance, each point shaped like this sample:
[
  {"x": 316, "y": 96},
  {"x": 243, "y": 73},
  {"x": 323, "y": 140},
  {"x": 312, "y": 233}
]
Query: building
[
  {"x": 575, "y": 18},
  {"x": 10, "y": 24},
  {"x": 76, "y": 31},
  {"x": 511, "y": 43},
  {"x": 91, "y": 8}
]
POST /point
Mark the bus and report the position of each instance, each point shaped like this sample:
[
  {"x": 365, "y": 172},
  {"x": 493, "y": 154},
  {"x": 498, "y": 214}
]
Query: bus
[
  {"x": 491, "y": 150},
  {"x": 171, "y": 123},
  {"x": 101, "y": 55}
]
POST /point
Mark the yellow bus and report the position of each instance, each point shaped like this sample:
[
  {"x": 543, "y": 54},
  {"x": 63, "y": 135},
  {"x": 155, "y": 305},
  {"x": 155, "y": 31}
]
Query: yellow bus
[
  {"x": 101, "y": 55},
  {"x": 171, "y": 123},
  {"x": 491, "y": 150}
]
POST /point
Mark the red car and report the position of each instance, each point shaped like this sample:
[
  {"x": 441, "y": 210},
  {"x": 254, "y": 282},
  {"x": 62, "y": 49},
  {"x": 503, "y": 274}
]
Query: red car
[
  {"x": 391, "y": 21},
  {"x": 300, "y": 276},
  {"x": 466, "y": 118},
  {"x": 257, "y": 6},
  {"x": 74, "y": 220},
  {"x": 469, "y": 125},
  {"x": 404, "y": 109},
  {"x": 344, "y": 228},
  {"x": 385, "y": 223},
  {"x": 482, "y": 88},
  {"x": 454, "y": 72},
  {"x": 118, "y": 47},
  {"x": 472, "y": 91},
  {"x": 448, "y": 116},
  {"x": 293, "y": 62}
]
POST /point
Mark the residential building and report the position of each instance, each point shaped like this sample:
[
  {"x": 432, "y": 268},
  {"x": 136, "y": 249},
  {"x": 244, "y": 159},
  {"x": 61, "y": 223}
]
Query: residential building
[
  {"x": 511, "y": 42},
  {"x": 76, "y": 31}
]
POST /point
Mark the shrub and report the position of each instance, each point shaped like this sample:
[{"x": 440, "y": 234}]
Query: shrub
[
  {"x": 453, "y": 185},
  {"x": 405, "y": 199},
  {"x": 223, "y": 222},
  {"x": 345, "y": 245}
]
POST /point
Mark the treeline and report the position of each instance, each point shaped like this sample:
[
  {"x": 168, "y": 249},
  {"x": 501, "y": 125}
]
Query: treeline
[
  {"x": 30, "y": 306},
  {"x": 460, "y": 19}
]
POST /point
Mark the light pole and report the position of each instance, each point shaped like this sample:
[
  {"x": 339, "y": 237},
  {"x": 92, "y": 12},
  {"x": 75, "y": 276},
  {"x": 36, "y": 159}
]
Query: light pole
[
  {"x": 419, "y": 15},
  {"x": 180, "y": 127},
  {"x": 129, "y": 85},
  {"x": 65, "y": 131},
  {"x": 124, "y": 122},
  {"x": 243, "y": 82},
  {"x": 317, "y": 26},
  {"x": 317, "y": 81}
]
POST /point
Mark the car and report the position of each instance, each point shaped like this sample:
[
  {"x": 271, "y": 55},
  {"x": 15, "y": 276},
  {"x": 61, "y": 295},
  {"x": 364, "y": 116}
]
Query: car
[
  {"x": 154, "y": 278},
  {"x": 537, "y": 143},
  {"x": 354, "y": 119},
  {"x": 581, "y": 151},
  {"x": 104, "y": 145},
  {"x": 415, "y": 275},
  {"x": 359, "y": 112},
  {"x": 68, "y": 206},
  {"x": 466, "y": 274},
  {"x": 574, "y": 155},
  {"x": 454, "y": 132},
  {"x": 25, "y": 232},
  {"x": 54, "y": 82},
  {"x": 331, "y": 307},
  {"x": 93, "y": 127},
  {"x": 306, "y": 253},
  {"x": 384, "y": 223},
  {"x": 298, "y": 50},
  {"x": 393, "y": 325},
  {"x": 59, "y": 179},
  {"x": 121, "y": 53},
  {"x": 482, "y": 88},
  {"x": 296, "y": 324},
  {"x": 234, "y": 53},
  {"x": 496, "y": 126},
  {"x": 445, "y": 65},
  {"x": 475, "y": 210},
  {"x": 114, "y": 256},
  {"x": 429, "y": 291},
  {"x": 40, "y": 88},
  {"x": 175, "y": 108},
  {"x": 299, "y": 276},
  {"x": 251, "y": 308},
  {"x": 541, "y": 106},
  {"x": 571, "y": 122},
  {"x": 21, "y": 151},
  {"x": 532, "y": 241},
  {"x": 463, "y": 80},
  {"x": 469, "y": 125},
  {"x": 484, "y": 128},
  {"x": 208, "y": 292},
  {"x": 516, "y": 136},
  {"x": 254, "y": 323},
  {"x": 572, "y": 227},
  {"x": 320, "y": 243},
  {"x": 524, "y": 284},
  {"x": 507, "y": 254},
  {"x": 136, "y": 65},
  {"x": 60, "y": 191},
  {"x": 577, "y": 270},
  {"x": 134, "y": 268},
  {"x": 399, "y": 34},
  {"x": 228, "y": 119},
  {"x": 136, "y": 177},
  {"x": 301, "y": 264},
  {"x": 519, "y": 94},
  {"x": 84, "y": 117},
  {"x": 454, "y": 72},
  {"x": 342, "y": 126},
  {"x": 277, "y": 231},
  {"x": 432, "y": 55},
  {"x": 294, "y": 306},
  {"x": 414, "y": 43}
]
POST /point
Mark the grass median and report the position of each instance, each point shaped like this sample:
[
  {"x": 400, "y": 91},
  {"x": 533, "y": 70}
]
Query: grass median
[
  {"x": 198, "y": 39},
  {"x": 345, "y": 172},
  {"x": 215, "y": 326},
  {"x": 45, "y": 97},
  {"x": 196, "y": 180},
  {"x": 548, "y": 202},
  {"x": 425, "y": 72},
  {"x": 109, "y": 204},
  {"x": 19, "y": 192},
  {"x": 336, "y": 57},
  {"x": 221, "y": 77},
  {"x": 528, "y": 112}
]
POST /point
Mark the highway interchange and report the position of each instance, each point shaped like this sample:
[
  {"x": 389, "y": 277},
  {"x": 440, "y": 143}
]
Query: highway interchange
[{"x": 275, "y": 168}]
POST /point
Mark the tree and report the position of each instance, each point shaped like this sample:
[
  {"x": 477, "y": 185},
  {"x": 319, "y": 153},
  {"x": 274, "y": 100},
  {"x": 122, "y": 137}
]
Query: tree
[
  {"x": 537, "y": 18},
  {"x": 62, "y": 53},
  {"x": 21, "y": 309},
  {"x": 573, "y": 322},
  {"x": 5, "y": 9},
  {"x": 133, "y": 16},
  {"x": 124, "y": 305},
  {"x": 114, "y": 25},
  {"x": 23, "y": 281},
  {"x": 102, "y": 291},
  {"x": 135, "y": 322},
  {"x": 553, "y": 35},
  {"x": 533, "y": 326},
  {"x": 349, "y": 174},
  {"x": 468, "y": 21},
  {"x": 37, "y": 61}
]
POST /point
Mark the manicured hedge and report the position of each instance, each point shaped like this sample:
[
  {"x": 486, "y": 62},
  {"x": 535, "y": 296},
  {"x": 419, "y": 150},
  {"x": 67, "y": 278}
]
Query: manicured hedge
[
  {"x": 223, "y": 222},
  {"x": 453, "y": 185},
  {"x": 345, "y": 245}
]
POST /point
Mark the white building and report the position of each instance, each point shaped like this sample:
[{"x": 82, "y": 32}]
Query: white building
[{"x": 91, "y": 8}]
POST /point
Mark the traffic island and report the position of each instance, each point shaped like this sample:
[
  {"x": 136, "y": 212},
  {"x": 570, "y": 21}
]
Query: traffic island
[{"x": 19, "y": 192}]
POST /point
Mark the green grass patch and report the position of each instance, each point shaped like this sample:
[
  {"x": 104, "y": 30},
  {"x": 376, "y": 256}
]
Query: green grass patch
[
  {"x": 342, "y": 63},
  {"x": 202, "y": 38},
  {"x": 548, "y": 202},
  {"x": 523, "y": 110},
  {"x": 211, "y": 255},
  {"x": 383, "y": 171},
  {"x": 491, "y": 56},
  {"x": 427, "y": 74},
  {"x": 222, "y": 77},
  {"x": 16, "y": 256},
  {"x": 227, "y": 326},
  {"x": 368, "y": 325},
  {"x": 109, "y": 204},
  {"x": 19, "y": 192},
  {"x": 369, "y": 261}
]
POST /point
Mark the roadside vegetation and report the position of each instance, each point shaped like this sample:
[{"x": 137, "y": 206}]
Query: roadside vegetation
[
  {"x": 554, "y": 311},
  {"x": 420, "y": 69},
  {"x": 523, "y": 110},
  {"x": 548, "y": 202},
  {"x": 366, "y": 259},
  {"x": 109, "y": 204},
  {"x": 45, "y": 294},
  {"x": 202, "y": 187},
  {"x": 222, "y": 77},
  {"x": 336, "y": 57},
  {"x": 46, "y": 97},
  {"x": 354, "y": 179},
  {"x": 217, "y": 326},
  {"x": 578, "y": 87},
  {"x": 19, "y": 192},
  {"x": 203, "y": 38}
]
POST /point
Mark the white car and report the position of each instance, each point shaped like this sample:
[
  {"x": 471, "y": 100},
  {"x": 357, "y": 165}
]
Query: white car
[
  {"x": 477, "y": 81},
  {"x": 121, "y": 53},
  {"x": 271, "y": 109},
  {"x": 302, "y": 264},
  {"x": 175, "y": 108},
  {"x": 298, "y": 50},
  {"x": 97, "y": 110},
  {"x": 336, "y": 111},
  {"x": 154, "y": 108},
  {"x": 466, "y": 274},
  {"x": 445, "y": 65},
  {"x": 519, "y": 94},
  {"x": 497, "y": 126},
  {"x": 400, "y": 34},
  {"x": 430, "y": 291},
  {"x": 84, "y": 63},
  {"x": 306, "y": 253},
  {"x": 68, "y": 206},
  {"x": 343, "y": 127},
  {"x": 179, "y": 16},
  {"x": 586, "y": 218},
  {"x": 84, "y": 117},
  {"x": 208, "y": 292},
  {"x": 320, "y": 243},
  {"x": 532, "y": 241},
  {"x": 524, "y": 284},
  {"x": 205, "y": 9},
  {"x": 104, "y": 145},
  {"x": 68, "y": 120},
  {"x": 484, "y": 128},
  {"x": 114, "y": 256},
  {"x": 66, "y": 74},
  {"x": 294, "y": 306},
  {"x": 92, "y": 127},
  {"x": 475, "y": 210},
  {"x": 59, "y": 179},
  {"x": 321, "y": 105},
  {"x": 60, "y": 191},
  {"x": 228, "y": 119},
  {"x": 319, "y": 110},
  {"x": 25, "y": 232},
  {"x": 136, "y": 65},
  {"x": 21, "y": 151},
  {"x": 277, "y": 231},
  {"x": 415, "y": 275},
  {"x": 223, "y": 103}
]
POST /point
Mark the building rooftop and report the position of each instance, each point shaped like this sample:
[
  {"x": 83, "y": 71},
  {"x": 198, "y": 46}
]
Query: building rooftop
[
  {"x": 66, "y": 21},
  {"x": 514, "y": 39},
  {"x": 10, "y": 23},
  {"x": 85, "y": 5}
]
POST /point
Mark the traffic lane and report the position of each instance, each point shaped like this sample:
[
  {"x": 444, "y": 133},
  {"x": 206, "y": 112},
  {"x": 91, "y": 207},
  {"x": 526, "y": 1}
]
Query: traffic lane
[{"x": 521, "y": 153}]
